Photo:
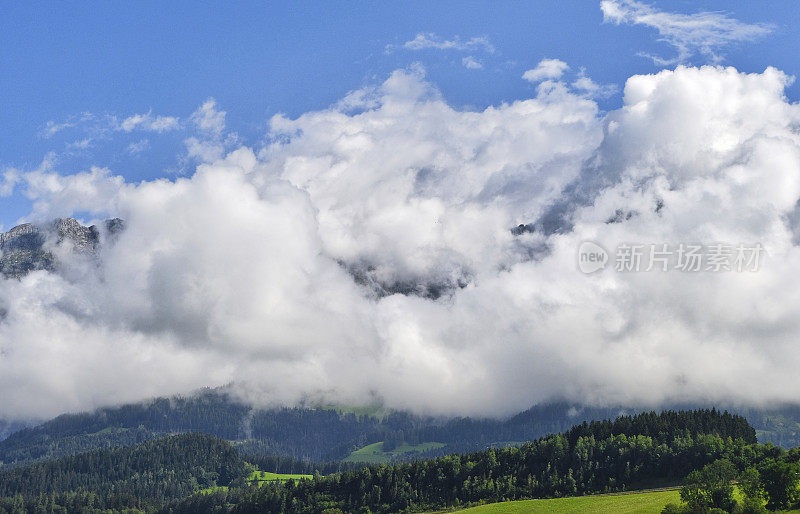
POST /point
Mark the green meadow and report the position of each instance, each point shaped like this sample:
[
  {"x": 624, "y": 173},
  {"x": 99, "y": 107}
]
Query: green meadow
[
  {"x": 266, "y": 476},
  {"x": 628, "y": 503},
  {"x": 262, "y": 477},
  {"x": 375, "y": 454},
  {"x": 634, "y": 502}
]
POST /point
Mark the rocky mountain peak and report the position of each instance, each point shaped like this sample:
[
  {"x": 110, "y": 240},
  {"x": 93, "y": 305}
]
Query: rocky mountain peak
[{"x": 28, "y": 247}]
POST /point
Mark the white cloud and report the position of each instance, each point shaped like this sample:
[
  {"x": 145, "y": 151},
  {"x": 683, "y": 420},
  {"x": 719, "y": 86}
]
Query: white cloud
[
  {"x": 308, "y": 269},
  {"x": 162, "y": 123},
  {"x": 203, "y": 134},
  {"x": 471, "y": 63},
  {"x": 102, "y": 126},
  {"x": 545, "y": 70},
  {"x": 591, "y": 88},
  {"x": 549, "y": 76},
  {"x": 53, "y": 195},
  {"x": 81, "y": 144},
  {"x": 210, "y": 142},
  {"x": 138, "y": 147},
  {"x": 704, "y": 33},
  {"x": 204, "y": 150},
  {"x": 52, "y": 128},
  {"x": 132, "y": 122},
  {"x": 11, "y": 176},
  {"x": 429, "y": 40},
  {"x": 149, "y": 123},
  {"x": 208, "y": 118}
]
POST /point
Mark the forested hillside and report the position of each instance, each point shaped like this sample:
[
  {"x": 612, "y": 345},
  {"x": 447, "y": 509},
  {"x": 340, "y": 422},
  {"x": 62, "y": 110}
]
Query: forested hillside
[
  {"x": 317, "y": 435},
  {"x": 313, "y": 434},
  {"x": 646, "y": 449},
  {"x": 141, "y": 476}
]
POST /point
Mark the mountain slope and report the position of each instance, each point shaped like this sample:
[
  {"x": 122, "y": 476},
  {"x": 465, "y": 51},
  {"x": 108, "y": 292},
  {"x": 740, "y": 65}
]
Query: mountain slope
[
  {"x": 156, "y": 471},
  {"x": 28, "y": 247},
  {"x": 607, "y": 456},
  {"x": 183, "y": 473},
  {"x": 314, "y": 434}
]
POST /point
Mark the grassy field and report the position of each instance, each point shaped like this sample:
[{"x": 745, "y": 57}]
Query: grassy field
[
  {"x": 374, "y": 453},
  {"x": 643, "y": 502},
  {"x": 628, "y": 503},
  {"x": 266, "y": 475},
  {"x": 261, "y": 476}
]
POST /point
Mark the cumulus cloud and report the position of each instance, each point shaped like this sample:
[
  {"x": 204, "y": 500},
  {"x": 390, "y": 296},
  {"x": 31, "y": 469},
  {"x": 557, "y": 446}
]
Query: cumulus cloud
[
  {"x": 367, "y": 254},
  {"x": 549, "y": 77},
  {"x": 210, "y": 142},
  {"x": 53, "y": 194},
  {"x": 429, "y": 40},
  {"x": 704, "y": 33},
  {"x": 204, "y": 150},
  {"x": 545, "y": 70}
]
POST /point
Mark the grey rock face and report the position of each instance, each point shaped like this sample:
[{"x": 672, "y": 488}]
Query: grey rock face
[
  {"x": 83, "y": 239},
  {"x": 28, "y": 247},
  {"x": 23, "y": 251},
  {"x": 433, "y": 288}
]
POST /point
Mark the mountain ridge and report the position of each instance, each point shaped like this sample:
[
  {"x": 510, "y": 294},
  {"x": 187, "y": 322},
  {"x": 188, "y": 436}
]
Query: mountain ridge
[
  {"x": 29, "y": 247},
  {"x": 317, "y": 434}
]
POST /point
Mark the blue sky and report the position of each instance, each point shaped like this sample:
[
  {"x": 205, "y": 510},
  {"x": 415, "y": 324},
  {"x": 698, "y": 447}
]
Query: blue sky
[{"x": 84, "y": 67}]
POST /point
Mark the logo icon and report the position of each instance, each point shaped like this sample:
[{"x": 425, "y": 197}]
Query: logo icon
[{"x": 591, "y": 257}]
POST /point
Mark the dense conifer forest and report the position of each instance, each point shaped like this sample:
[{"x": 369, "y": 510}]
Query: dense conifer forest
[
  {"x": 200, "y": 473},
  {"x": 310, "y": 434},
  {"x": 145, "y": 475},
  {"x": 316, "y": 434}
]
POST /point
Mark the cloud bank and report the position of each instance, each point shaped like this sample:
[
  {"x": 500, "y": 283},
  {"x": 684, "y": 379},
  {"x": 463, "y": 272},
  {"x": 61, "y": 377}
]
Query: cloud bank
[{"x": 366, "y": 253}]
